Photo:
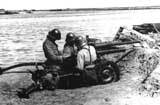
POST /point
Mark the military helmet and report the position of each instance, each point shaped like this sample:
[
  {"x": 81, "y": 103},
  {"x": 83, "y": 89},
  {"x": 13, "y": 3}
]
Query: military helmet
[
  {"x": 80, "y": 41},
  {"x": 55, "y": 33},
  {"x": 70, "y": 37}
]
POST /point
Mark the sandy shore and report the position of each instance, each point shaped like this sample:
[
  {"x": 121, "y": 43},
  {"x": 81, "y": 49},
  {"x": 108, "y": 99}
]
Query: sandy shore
[{"x": 124, "y": 92}]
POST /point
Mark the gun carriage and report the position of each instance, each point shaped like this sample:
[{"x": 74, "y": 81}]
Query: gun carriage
[{"x": 107, "y": 71}]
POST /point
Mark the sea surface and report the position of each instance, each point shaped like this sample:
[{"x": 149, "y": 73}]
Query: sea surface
[{"x": 22, "y": 35}]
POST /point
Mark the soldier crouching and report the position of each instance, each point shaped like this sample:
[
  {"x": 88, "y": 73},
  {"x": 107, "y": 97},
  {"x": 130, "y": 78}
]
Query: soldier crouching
[{"x": 49, "y": 78}]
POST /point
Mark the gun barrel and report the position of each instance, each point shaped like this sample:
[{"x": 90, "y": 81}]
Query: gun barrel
[
  {"x": 105, "y": 44},
  {"x": 110, "y": 51}
]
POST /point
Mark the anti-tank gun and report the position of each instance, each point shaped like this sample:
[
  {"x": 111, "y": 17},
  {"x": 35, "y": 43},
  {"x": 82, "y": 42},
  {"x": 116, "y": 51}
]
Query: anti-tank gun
[{"x": 107, "y": 71}]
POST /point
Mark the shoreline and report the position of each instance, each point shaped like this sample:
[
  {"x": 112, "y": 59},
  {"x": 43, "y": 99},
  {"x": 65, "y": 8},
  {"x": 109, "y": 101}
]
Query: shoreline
[
  {"x": 105, "y": 8},
  {"x": 9, "y": 12}
]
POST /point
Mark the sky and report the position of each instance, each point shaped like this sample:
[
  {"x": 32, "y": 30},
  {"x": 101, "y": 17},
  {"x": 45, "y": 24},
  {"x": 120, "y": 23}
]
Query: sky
[{"x": 58, "y": 4}]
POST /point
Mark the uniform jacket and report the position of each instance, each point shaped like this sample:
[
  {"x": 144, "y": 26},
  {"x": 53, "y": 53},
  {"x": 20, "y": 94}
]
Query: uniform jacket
[
  {"x": 70, "y": 52},
  {"x": 86, "y": 56},
  {"x": 51, "y": 52}
]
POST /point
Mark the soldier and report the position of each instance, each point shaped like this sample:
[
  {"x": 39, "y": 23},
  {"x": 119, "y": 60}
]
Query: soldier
[
  {"x": 85, "y": 60},
  {"x": 69, "y": 63},
  {"x": 70, "y": 50},
  {"x": 54, "y": 58},
  {"x": 49, "y": 80},
  {"x": 50, "y": 49}
]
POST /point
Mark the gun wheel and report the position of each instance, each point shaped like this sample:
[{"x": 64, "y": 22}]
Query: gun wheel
[
  {"x": 109, "y": 72},
  {"x": 108, "y": 75}
]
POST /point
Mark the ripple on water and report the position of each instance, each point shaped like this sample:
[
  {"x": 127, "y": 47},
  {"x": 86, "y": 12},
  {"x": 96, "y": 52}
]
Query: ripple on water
[{"x": 21, "y": 36}]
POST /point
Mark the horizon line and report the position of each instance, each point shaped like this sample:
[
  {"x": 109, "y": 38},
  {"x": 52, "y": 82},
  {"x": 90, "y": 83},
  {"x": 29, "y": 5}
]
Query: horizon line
[{"x": 92, "y": 8}]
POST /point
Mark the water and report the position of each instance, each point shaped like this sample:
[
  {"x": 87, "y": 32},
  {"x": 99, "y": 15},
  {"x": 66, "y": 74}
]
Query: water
[{"x": 22, "y": 35}]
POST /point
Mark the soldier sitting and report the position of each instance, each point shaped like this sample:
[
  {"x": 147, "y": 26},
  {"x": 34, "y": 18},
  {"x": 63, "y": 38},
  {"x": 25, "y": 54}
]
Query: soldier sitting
[
  {"x": 85, "y": 58},
  {"x": 70, "y": 50},
  {"x": 49, "y": 80}
]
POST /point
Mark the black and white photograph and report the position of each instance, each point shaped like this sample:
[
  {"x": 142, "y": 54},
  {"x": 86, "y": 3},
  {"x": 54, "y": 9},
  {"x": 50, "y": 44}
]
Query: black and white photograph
[{"x": 80, "y": 52}]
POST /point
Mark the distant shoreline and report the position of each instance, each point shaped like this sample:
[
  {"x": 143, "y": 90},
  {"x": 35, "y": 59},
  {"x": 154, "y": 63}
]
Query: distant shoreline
[
  {"x": 106, "y": 8},
  {"x": 10, "y": 12}
]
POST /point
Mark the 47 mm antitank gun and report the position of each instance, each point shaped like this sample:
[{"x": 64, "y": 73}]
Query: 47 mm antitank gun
[{"x": 107, "y": 71}]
